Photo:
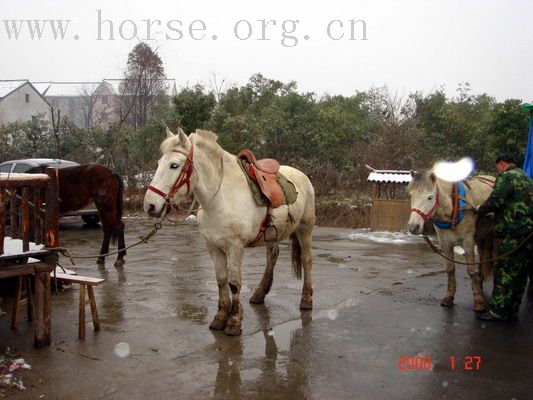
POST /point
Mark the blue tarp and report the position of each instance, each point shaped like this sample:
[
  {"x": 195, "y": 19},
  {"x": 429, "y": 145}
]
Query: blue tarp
[{"x": 528, "y": 162}]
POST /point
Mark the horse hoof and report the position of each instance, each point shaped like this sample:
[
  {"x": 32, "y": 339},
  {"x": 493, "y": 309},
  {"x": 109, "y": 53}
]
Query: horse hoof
[
  {"x": 217, "y": 324},
  {"x": 480, "y": 307},
  {"x": 233, "y": 330},
  {"x": 119, "y": 263},
  {"x": 100, "y": 261},
  {"x": 447, "y": 301},
  {"x": 258, "y": 296},
  {"x": 306, "y": 304}
]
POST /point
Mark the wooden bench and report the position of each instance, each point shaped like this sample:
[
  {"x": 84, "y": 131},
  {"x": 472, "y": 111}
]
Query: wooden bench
[{"x": 84, "y": 282}]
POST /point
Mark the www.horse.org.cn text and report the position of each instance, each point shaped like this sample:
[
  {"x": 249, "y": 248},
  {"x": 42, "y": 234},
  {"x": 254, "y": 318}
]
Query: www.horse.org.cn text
[{"x": 287, "y": 32}]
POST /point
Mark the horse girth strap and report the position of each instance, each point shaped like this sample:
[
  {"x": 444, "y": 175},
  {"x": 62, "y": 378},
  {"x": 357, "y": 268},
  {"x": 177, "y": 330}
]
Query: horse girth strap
[{"x": 458, "y": 207}]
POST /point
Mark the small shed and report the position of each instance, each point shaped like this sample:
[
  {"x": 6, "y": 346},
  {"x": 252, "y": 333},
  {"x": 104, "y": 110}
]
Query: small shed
[{"x": 391, "y": 205}]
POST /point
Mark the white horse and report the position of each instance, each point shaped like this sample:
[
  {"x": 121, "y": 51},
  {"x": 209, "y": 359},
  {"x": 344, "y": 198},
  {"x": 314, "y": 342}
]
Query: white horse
[
  {"x": 229, "y": 218},
  {"x": 431, "y": 200}
]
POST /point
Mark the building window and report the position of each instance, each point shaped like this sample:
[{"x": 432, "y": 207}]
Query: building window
[{"x": 27, "y": 98}]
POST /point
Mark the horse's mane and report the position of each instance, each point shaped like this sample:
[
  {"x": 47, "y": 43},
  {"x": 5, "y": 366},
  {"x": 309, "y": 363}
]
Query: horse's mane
[
  {"x": 421, "y": 180},
  {"x": 207, "y": 141},
  {"x": 169, "y": 144},
  {"x": 208, "y": 135},
  {"x": 201, "y": 137}
]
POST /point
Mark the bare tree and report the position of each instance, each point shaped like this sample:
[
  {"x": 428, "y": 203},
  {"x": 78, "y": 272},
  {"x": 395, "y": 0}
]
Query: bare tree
[
  {"x": 144, "y": 79},
  {"x": 89, "y": 99},
  {"x": 218, "y": 87},
  {"x": 55, "y": 128}
]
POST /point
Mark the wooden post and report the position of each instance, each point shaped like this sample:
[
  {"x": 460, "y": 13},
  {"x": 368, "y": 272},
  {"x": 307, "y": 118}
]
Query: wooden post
[
  {"x": 52, "y": 211},
  {"x": 2, "y": 221},
  {"x": 25, "y": 214},
  {"x": 13, "y": 209},
  {"x": 81, "y": 316},
  {"x": 16, "y": 303},
  {"x": 94, "y": 310},
  {"x": 43, "y": 311}
]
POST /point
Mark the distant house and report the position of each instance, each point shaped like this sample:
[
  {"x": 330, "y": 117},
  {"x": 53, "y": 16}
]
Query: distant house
[
  {"x": 20, "y": 101},
  {"x": 92, "y": 104},
  {"x": 75, "y": 100}
]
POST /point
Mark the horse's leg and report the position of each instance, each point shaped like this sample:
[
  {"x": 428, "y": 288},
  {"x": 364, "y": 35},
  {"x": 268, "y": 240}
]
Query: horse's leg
[
  {"x": 447, "y": 301},
  {"x": 105, "y": 243},
  {"x": 304, "y": 237},
  {"x": 224, "y": 301},
  {"x": 266, "y": 282},
  {"x": 235, "y": 253},
  {"x": 475, "y": 276},
  {"x": 121, "y": 244}
]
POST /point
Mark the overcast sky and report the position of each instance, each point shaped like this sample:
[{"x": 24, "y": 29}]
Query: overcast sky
[{"x": 410, "y": 45}]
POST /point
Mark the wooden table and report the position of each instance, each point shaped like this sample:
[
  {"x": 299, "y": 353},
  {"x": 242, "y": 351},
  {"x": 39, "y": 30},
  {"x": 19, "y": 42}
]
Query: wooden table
[{"x": 17, "y": 266}]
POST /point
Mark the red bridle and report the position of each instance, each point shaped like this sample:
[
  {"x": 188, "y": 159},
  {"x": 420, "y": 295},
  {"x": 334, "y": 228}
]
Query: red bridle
[
  {"x": 184, "y": 178},
  {"x": 427, "y": 217}
]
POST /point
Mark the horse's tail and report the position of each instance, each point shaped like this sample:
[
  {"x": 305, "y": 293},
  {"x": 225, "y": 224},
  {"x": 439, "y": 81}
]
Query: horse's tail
[
  {"x": 485, "y": 241},
  {"x": 120, "y": 195},
  {"x": 486, "y": 266},
  {"x": 118, "y": 228},
  {"x": 296, "y": 255}
]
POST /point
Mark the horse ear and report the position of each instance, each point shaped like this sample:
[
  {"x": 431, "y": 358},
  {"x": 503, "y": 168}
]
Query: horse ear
[
  {"x": 169, "y": 133},
  {"x": 413, "y": 173},
  {"x": 184, "y": 139},
  {"x": 433, "y": 177}
]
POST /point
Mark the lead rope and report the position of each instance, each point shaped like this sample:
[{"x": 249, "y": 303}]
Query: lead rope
[
  {"x": 65, "y": 251},
  {"x": 440, "y": 253}
]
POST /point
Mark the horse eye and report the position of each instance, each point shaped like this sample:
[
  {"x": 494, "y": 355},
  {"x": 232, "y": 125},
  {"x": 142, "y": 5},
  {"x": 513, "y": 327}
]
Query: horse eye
[
  {"x": 174, "y": 166},
  {"x": 430, "y": 197}
]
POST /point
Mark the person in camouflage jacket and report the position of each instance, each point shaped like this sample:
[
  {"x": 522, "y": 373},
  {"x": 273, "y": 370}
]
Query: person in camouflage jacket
[{"x": 512, "y": 205}]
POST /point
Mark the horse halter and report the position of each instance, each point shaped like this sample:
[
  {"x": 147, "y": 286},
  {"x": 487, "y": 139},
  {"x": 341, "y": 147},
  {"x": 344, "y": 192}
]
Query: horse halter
[
  {"x": 427, "y": 217},
  {"x": 184, "y": 178}
]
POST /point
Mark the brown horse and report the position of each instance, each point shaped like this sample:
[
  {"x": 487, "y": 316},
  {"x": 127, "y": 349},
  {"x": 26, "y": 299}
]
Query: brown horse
[{"x": 81, "y": 184}]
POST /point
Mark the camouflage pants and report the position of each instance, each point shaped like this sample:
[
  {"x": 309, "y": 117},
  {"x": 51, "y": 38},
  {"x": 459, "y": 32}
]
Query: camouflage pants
[{"x": 510, "y": 276}]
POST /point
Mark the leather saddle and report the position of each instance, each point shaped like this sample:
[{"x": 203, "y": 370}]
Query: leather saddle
[{"x": 265, "y": 174}]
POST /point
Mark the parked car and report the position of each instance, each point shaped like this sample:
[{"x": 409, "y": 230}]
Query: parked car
[{"x": 38, "y": 166}]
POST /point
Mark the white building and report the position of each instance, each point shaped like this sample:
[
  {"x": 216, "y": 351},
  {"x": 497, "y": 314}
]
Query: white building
[
  {"x": 20, "y": 101},
  {"x": 86, "y": 104}
]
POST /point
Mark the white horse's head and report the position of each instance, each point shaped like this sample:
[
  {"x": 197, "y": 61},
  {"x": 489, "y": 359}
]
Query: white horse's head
[
  {"x": 172, "y": 179},
  {"x": 424, "y": 200}
]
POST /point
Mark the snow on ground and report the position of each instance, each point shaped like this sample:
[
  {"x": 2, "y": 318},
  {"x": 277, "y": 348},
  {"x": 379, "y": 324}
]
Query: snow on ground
[
  {"x": 384, "y": 237},
  {"x": 394, "y": 238}
]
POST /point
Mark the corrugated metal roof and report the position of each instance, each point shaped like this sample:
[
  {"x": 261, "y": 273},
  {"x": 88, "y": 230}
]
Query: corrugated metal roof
[
  {"x": 7, "y": 87},
  {"x": 389, "y": 176}
]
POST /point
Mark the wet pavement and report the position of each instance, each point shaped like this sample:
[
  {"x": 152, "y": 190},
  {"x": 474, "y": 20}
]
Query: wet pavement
[{"x": 376, "y": 312}]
